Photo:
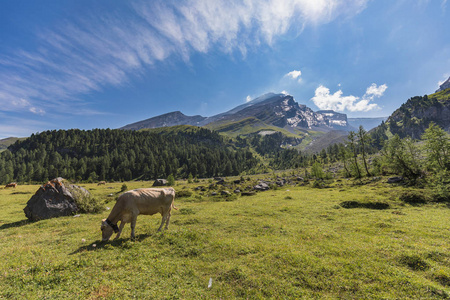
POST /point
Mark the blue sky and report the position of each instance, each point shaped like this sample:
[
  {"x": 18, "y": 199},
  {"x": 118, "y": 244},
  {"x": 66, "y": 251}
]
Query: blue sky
[{"x": 104, "y": 64}]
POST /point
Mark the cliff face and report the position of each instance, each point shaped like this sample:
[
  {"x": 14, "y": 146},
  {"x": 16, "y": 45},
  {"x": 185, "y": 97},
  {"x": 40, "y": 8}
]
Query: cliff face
[
  {"x": 414, "y": 116},
  {"x": 283, "y": 111}
]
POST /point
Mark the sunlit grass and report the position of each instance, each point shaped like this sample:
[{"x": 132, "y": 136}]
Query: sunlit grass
[{"x": 294, "y": 242}]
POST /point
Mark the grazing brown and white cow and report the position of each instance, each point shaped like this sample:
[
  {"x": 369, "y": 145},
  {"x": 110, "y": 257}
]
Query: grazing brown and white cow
[
  {"x": 101, "y": 183},
  {"x": 12, "y": 184},
  {"x": 145, "y": 201}
]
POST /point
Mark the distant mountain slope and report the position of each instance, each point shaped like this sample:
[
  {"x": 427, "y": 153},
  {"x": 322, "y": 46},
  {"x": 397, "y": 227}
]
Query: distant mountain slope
[
  {"x": 5, "y": 143},
  {"x": 367, "y": 123},
  {"x": 325, "y": 140},
  {"x": 416, "y": 114},
  {"x": 267, "y": 114},
  {"x": 166, "y": 120},
  {"x": 248, "y": 126}
]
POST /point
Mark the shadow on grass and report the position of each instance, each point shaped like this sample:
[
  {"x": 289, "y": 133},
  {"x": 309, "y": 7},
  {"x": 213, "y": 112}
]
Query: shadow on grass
[
  {"x": 15, "y": 224},
  {"x": 120, "y": 243},
  {"x": 370, "y": 205}
]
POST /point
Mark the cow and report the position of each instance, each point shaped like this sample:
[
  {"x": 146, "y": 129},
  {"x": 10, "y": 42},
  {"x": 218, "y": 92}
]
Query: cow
[
  {"x": 12, "y": 184},
  {"x": 101, "y": 183},
  {"x": 144, "y": 201}
]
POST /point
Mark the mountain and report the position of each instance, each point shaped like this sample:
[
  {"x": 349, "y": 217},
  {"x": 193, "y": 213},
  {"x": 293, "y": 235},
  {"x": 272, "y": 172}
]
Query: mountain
[
  {"x": 367, "y": 123},
  {"x": 416, "y": 114},
  {"x": 444, "y": 86},
  {"x": 279, "y": 110},
  {"x": 166, "y": 120}
]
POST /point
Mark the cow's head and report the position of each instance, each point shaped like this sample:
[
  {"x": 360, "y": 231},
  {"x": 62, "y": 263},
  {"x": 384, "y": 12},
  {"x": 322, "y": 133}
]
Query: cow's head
[{"x": 107, "y": 231}]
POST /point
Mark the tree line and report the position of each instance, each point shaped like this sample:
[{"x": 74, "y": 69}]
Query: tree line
[{"x": 105, "y": 154}]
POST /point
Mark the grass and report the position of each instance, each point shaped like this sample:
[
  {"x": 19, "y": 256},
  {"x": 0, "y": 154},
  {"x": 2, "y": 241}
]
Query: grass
[{"x": 291, "y": 243}]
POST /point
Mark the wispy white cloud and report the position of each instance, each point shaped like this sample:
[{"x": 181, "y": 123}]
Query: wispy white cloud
[
  {"x": 248, "y": 98},
  {"x": 324, "y": 100},
  {"x": 296, "y": 74},
  {"x": 90, "y": 53},
  {"x": 444, "y": 5},
  {"x": 19, "y": 127}
]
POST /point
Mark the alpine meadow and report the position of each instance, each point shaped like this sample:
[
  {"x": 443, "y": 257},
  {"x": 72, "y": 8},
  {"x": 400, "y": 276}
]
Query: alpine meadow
[{"x": 212, "y": 149}]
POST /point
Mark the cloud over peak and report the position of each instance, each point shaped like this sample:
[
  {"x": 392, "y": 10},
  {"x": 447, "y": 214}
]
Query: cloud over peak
[
  {"x": 324, "y": 100},
  {"x": 295, "y": 75}
]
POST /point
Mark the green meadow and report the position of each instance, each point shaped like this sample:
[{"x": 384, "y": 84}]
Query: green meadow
[{"x": 344, "y": 241}]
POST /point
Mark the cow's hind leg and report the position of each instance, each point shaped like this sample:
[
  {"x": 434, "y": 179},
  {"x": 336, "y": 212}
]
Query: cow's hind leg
[
  {"x": 133, "y": 226},
  {"x": 164, "y": 220},
  {"x": 168, "y": 219}
]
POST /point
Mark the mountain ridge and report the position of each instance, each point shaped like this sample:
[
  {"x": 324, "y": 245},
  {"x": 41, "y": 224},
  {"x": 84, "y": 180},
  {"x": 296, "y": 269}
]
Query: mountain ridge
[{"x": 280, "y": 110}]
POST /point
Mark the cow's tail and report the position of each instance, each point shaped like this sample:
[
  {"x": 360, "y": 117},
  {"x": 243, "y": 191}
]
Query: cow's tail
[{"x": 173, "y": 205}]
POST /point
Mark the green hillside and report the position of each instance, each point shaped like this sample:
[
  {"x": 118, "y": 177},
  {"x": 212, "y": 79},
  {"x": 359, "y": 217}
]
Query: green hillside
[
  {"x": 442, "y": 95},
  {"x": 5, "y": 143},
  {"x": 249, "y": 126},
  {"x": 415, "y": 115}
]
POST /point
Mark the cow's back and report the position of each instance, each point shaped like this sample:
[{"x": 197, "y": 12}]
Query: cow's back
[{"x": 148, "y": 201}]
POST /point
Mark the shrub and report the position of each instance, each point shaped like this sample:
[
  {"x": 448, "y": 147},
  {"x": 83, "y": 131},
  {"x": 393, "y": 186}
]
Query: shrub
[
  {"x": 170, "y": 180},
  {"x": 317, "y": 171},
  {"x": 318, "y": 184},
  {"x": 123, "y": 188},
  {"x": 184, "y": 193},
  {"x": 85, "y": 201},
  {"x": 187, "y": 211},
  {"x": 440, "y": 185},
  {"x": 413, "y": 197}
]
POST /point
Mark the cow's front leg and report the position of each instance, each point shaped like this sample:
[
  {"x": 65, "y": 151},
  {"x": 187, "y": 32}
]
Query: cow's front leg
[{"x": 122, "y": 224}]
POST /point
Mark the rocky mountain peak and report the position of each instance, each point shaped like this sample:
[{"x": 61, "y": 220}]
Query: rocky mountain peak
[
  {"x": 280, "y": 110},
  {"x": 444, "y": 86}
]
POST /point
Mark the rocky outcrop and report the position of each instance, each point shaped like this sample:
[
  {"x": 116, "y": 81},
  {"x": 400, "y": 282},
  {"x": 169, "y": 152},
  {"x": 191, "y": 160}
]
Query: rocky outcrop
[
  {"x": 56, "y": 198},
  {"x": 444, "y": 86},
  {"x": 160, "y": 182}
]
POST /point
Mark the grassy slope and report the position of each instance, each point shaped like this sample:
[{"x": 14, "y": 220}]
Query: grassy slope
[
  {"x": 5, "y": 143},
  {"x": 295, "y": 242},
  {"x": 441, "y": 96},
  {"x": 247, "y": 126}
]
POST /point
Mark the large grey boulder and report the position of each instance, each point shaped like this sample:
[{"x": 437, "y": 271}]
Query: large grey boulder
[
  {"x": 262, "y": 186},
  {"x": 56, "y": 198}
]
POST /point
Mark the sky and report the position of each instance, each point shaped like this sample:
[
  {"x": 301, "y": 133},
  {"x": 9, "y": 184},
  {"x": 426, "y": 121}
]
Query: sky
[{"x": 108, "y": 63}]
